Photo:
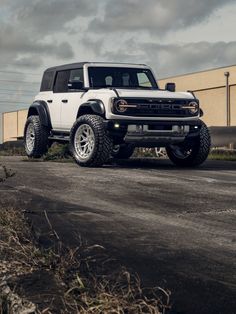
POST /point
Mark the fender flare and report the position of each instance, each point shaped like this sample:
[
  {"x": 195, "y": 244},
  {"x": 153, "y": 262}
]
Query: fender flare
[
  {"x": 95, "y": 106},
  {"x": 41, "y": 108}
]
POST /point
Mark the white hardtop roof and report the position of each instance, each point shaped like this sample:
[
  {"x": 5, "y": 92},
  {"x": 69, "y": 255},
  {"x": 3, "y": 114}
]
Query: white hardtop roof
[
  {"x": 114, "y": 64},
  {"x": 97, "y": 64}
]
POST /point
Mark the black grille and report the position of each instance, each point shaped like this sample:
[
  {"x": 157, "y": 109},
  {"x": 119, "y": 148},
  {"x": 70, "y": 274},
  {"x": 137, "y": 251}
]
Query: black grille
[{"x": 161, "y": 107}]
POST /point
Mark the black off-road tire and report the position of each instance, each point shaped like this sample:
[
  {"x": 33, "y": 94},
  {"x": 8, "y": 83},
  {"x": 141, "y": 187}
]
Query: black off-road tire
[
  {"x": 103, "y": 142},
  {"x": 200, "y": 150},
  {"x": 125, "y": 151},
  {"x": 40, "y": 146}
]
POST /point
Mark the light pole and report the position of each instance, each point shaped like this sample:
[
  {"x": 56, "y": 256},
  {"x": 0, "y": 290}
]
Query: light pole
[{"x": 227, "y": 74}]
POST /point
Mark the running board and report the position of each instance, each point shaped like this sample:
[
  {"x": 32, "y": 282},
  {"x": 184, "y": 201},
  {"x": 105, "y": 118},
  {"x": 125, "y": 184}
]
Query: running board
[{"x": 58, "y": 138}]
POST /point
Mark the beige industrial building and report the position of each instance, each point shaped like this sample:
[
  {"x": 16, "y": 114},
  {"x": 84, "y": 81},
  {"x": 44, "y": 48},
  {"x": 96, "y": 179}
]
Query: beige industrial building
[
  {"x": 216, "y": 90},
  {"x": 12, "y": 125}
]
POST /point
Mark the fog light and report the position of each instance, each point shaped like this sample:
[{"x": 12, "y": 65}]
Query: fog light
[{"x": 116, "y": 125}]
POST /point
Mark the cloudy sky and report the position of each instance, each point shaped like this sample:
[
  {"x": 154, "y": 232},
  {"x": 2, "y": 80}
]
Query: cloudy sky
[{"x": 173, "y": 36}]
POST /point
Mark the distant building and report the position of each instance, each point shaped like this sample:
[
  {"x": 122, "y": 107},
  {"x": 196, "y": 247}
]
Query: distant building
[{"x": 12, "y": 125}]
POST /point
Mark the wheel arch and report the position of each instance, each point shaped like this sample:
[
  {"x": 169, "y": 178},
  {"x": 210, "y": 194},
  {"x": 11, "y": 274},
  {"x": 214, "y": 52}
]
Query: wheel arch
[
  {"x": 92, "y": 106},
  {"x": 40, "y": 108}
]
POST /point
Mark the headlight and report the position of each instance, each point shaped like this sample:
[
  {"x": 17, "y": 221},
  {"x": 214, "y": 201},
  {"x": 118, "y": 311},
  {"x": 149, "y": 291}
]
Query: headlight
[
  {"x": 121, "y": 105},
  {"x": 193, "y": 107}
]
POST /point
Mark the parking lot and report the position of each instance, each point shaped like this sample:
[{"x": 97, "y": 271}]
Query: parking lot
[{"x": 174, "y": 227}]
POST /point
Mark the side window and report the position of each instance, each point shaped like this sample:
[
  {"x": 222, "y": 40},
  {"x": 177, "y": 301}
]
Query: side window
[
  {"x": 61, "y": 84},
  {"x": 143, "y": 80},
  {"x": 47, "y": 81},
  {"x": 76, "y": 76}
]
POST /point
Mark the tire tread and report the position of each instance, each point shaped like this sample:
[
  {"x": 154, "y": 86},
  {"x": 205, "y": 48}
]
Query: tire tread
[
  {"x": 201, "y": 154},
  {"x": 103, "y": 142},
  {"x": 41, "y": 137}
]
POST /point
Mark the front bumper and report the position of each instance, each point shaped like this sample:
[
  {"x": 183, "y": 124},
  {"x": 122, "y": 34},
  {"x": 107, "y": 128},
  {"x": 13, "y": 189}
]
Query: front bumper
[{"x": 153, "y": 133}]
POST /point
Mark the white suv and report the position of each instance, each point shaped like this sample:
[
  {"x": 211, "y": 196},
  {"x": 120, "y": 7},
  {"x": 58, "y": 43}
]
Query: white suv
[{"x": 106, "y": 109}]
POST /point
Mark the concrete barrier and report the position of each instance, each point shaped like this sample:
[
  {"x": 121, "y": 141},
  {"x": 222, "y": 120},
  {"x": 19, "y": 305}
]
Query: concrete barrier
[{"x": 223, "y": 136}]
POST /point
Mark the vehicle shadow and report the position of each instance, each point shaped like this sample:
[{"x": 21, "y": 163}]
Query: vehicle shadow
[{"x": 166, "y": 164}]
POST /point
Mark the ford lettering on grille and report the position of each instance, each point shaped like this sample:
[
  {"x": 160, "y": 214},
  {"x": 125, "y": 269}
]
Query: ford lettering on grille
[{"x": 160, "y": 106}]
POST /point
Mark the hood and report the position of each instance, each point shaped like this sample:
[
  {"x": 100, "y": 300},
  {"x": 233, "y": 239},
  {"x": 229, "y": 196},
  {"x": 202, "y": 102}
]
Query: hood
[{"x": 153, "y": 94}]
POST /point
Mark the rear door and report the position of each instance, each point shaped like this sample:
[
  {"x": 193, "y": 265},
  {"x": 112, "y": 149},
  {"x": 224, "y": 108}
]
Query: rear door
[
  {"x": 60, "y": 91},
  {"x": 46, "y": 94}
]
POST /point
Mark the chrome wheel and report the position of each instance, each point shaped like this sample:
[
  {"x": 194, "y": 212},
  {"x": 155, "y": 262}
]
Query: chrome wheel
[
  {"x": 84, "y": 141},
  {"x": 30, "y": 137}
]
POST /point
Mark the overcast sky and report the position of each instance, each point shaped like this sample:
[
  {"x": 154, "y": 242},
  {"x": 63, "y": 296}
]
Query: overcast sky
[{"x": 172, "y": 36}]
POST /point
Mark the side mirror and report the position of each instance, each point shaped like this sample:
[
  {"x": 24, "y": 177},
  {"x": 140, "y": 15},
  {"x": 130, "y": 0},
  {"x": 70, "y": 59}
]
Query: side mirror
[
  {"x": 75, "y": 85},
  {"x": 170, "y": 87}
]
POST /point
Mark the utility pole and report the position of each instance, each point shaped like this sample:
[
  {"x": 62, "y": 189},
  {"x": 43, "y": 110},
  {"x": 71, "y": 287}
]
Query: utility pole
[{"x": 227, "y": 74}]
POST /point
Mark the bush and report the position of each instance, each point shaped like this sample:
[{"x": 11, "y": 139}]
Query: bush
[{"x": 58, "y": 152}]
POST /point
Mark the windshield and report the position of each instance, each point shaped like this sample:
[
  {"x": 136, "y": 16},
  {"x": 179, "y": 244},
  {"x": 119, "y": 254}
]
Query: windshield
[{"x": 100, "y": 77}]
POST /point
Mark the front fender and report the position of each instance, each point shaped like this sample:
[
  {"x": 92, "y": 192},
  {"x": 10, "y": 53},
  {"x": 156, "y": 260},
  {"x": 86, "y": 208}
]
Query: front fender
[
  {"x": 94, "y": 106},
  {"x": 41, "y": 109}
]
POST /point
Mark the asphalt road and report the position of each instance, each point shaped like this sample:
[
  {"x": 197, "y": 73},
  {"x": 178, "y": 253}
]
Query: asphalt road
[{"x": 175, "y": 227}]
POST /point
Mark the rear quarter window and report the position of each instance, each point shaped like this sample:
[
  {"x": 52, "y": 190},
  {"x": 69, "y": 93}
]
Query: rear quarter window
[{"x": 47, "y": 81}]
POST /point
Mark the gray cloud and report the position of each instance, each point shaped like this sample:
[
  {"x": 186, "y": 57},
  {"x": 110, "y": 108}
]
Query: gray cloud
[
  {"x": 14, "y": 44},
  {"x": 29, "y": 29},
  {"x": 173, "y": 59},
  {"x": 155, "y": 16},
  {"x": 183, "y": 58},
  {"x": 46, "y": 17}
]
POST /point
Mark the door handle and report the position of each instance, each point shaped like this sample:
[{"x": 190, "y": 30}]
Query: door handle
[
  {"x": 64, "y": 100},
  {"x": 50, "y": 101}
]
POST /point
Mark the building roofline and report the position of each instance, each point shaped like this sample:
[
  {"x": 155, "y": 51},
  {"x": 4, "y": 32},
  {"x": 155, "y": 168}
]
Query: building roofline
[{"x": 196, "y": 72}]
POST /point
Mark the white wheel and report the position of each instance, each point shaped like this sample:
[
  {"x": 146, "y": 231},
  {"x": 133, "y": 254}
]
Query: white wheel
[
  {"x": 30, "y": 137},
  {"x": 91, "y": 145},
  {"x": 84, "y": 142}
]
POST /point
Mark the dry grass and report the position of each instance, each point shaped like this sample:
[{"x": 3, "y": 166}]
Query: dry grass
[
  {"x": 5, "y": 173},
  {"x": 92, "y": 282},
  {"x": 223, "y": 154}
]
